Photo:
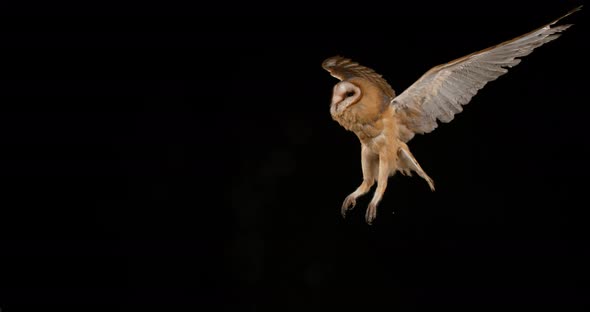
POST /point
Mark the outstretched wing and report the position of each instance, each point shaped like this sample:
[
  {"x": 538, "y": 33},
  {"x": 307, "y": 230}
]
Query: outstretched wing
[
  {"x": 441, "y": 91},
  {"x": 343, "y": 69}
]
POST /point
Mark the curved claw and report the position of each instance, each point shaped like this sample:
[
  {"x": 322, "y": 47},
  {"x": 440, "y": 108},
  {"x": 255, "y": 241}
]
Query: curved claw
[
  {"x": 348, "y": 204},
  {"x": 371, "y": 213}
]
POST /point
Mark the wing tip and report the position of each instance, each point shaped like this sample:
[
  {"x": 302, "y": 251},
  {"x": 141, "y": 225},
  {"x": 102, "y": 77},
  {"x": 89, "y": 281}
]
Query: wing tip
[
  {"x": 333, "y": 61},
  {"x": 572, "y": 11},
  {"x": 578, "y": 8}
]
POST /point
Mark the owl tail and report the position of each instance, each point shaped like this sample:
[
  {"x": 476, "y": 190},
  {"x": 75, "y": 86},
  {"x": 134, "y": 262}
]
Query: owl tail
[{"x": 408, "y": 163}]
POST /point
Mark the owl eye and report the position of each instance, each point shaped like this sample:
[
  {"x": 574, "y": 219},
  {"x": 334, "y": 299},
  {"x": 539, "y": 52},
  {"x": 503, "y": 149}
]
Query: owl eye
[{"x": 349, "y": 94}]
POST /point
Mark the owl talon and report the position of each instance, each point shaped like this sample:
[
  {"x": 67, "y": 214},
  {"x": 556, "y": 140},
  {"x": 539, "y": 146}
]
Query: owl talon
[
  {"x": 348, "y": 204},
  {"x": 371, "y": 213}
]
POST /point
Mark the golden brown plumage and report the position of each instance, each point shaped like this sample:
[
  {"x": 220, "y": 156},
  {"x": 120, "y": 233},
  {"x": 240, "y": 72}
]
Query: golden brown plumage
[{"x": 364, "y": 103}]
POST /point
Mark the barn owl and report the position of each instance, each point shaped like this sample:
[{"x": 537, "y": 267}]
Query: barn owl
[{"x": 364, "y": 103}]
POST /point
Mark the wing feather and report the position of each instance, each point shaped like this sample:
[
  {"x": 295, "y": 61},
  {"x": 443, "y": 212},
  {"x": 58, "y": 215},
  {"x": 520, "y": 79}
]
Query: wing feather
[
  {"x": 440, "y": 93},
  {"x": 343, "y": 69}
]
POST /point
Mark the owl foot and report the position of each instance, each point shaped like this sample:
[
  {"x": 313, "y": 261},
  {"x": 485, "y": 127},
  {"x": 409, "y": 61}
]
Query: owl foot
[
  {"x": 348, "y": 204},
  {"x": 371, "y": 213}
]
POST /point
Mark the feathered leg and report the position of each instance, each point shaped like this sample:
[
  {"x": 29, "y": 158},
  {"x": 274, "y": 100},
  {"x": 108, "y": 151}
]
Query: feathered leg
[
  {"x": 386, "y": 167},
  {"x": 369, "y": 163}
]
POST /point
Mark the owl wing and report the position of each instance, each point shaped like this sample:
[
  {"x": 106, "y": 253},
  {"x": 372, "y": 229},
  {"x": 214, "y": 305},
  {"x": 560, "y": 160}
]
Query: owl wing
[
  {"x": 343, "y": 69},
  {"x": 440, "y": 93}
]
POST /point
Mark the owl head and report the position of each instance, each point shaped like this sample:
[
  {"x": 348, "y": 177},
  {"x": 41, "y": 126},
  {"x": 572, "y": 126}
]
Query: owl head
[
  {"x": 345, "y": 94},
  {"x": 361, "y": 94}
]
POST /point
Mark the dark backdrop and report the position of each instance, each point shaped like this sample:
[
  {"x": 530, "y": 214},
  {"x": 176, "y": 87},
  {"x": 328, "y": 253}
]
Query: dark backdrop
[{"x": 156, "y": 160}]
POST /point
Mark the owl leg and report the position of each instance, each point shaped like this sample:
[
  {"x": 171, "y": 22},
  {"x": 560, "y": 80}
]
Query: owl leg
[
  {"x": 369, "y": 163},
  {"x": 384, "y": 171},
  {"x": 408, "y": 161}
]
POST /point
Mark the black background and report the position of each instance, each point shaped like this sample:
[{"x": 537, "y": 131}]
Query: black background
[{"x": 153, "y": 159}]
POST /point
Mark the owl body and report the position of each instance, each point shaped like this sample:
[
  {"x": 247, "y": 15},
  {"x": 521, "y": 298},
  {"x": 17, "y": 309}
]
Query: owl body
[
  {"x": 364, "y": 103},
  {"x": 364, "y": 108}
]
